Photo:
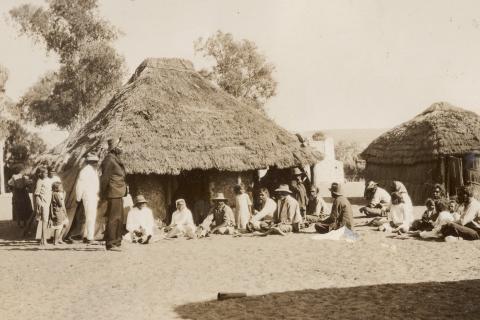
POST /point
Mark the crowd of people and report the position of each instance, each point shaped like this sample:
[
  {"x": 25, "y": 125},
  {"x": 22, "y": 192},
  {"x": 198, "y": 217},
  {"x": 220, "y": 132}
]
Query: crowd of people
[{"x": 291, "y": 208}]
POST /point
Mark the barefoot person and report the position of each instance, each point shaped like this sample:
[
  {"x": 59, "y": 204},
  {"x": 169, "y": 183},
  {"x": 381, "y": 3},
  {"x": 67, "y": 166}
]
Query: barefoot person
[
  {"x": 429, "y": 217},
  {"x": 262, "y": 219},
  {"x": 86, "y": 191},
  {"x": 58, "y": 220},
  {"x": 43, "y": 198},
  {"x": 243, "y": 207},
  {"x": 341, "y": 214},
  {"x": 113, "y": 188},
  {"x": 287, "y": 217},
  {"x": 140, "y": 222},
  {"x": 400, "y": 216},
  {"x": 378, "y": 200},
  {"x": 316, "y": 206},
  {"x": 21, "y": 204},
  {"x": 220, "y": 220},
  {"x": 182, "y": 222}
]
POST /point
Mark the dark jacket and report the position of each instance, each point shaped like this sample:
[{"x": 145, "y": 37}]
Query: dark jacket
[
  {"x": 341, "y": 215},
  {"x": 112, "y": 181}
]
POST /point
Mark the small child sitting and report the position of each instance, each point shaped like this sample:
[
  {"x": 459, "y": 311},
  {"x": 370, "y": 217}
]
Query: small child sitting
[
  {"x": 140, "y": 222},
  {"x": 428, "y": 219},
  {"x": 58, "y": 220}
]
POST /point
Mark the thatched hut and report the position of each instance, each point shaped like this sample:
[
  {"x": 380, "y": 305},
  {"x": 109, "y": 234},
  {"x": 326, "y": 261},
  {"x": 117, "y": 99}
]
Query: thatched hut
[
  {"x": 440, "y": 145},
  {"x": 184, "y": 137}
]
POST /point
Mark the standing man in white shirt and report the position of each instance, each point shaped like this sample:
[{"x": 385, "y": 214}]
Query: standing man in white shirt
[
  {"x": 86, "y": 190},
  {"x": 468, "y": 227}
]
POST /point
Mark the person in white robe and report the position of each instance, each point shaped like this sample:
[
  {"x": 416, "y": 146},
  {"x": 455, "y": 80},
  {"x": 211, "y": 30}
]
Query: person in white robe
[
  {"x": 400, "y": 216},
  {"x": 140, "y": 222},
  {"x": 86, "y": 190},
  {"x": 182, "y": 222}
]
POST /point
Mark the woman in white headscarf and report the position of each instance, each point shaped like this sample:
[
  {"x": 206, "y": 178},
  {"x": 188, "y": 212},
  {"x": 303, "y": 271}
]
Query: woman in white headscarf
[
  {"x": 182, "y": 222},
  {"x": 400, "y": 188}
]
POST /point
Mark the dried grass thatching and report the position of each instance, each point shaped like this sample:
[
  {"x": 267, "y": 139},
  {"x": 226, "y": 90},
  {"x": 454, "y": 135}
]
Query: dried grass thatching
[
  {"x": 440, "y": 130},
  {"x": 171, "y": 119}
]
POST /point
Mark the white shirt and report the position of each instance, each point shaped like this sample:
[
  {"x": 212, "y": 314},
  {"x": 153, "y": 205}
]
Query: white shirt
[
  {"x": 471, "y": 213},
  {"x": 88, "y": 183},
  {"x": 401, "y": 215},
  {"x": 140, "y": 218},
  {"x": 267, "y": 211},
  {"x": 381, "y": 196},
  {"x": 182, "y": 218},
  {"x": 443, "y": 218}
]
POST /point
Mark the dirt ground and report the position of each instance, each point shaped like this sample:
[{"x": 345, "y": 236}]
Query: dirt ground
[{"x": 291, "y": 277}]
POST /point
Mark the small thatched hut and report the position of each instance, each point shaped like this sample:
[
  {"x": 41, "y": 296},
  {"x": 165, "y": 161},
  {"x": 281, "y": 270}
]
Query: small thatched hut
[
  {"x": 184, "y": 137},
  {"x": 440, "y": 145}
]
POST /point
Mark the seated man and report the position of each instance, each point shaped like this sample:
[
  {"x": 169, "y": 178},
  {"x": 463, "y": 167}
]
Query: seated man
[
  {"x": 341, "y": 214},
  {"x": 468, "y": 224},
  {"x": 287, "y": 217},
  {"x": 140, "y": 222},
  {"x": 262, "y": 219},
  {"x": 182, "y": 222},
  {"x": 220, "y": 219},
  {"x": 316, "y": 207},
  {"x": 378, "y": 200}
]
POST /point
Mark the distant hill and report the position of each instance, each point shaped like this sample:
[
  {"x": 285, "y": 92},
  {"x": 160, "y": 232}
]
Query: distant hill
[{"x": 362, "y": 136}]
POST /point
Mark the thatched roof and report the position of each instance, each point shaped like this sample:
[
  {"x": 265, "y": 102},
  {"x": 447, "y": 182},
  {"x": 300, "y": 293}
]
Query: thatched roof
[
  {"x": 440, "y": 130},
  {"x": 171, "y": 119}
]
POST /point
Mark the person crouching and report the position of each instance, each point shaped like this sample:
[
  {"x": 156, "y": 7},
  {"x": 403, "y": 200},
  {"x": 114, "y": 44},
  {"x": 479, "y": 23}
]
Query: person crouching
[{"x": 140, "y": 222}]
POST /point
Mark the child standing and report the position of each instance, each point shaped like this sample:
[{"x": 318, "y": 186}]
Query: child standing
[
  {"x": 58, "y": 220},
  {"x": 243, "y": 207},
  {"x": 43, "y": 198}
]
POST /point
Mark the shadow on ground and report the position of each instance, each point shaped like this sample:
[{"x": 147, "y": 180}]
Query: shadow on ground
[{"x": 427, "y": 300}]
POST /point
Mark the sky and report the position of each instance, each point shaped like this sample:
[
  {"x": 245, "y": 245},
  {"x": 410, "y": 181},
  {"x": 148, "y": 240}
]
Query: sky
[{"x": 340, "y": 64}]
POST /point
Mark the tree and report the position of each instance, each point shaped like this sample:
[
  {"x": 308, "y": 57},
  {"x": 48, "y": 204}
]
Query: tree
[
  {"x": 90, "y": 69},
  {"x": 21, "y": 145},
  {"x": 348, "y": 153},
  {"x": 318, "y": 136},
  {"x": 240, "y": 69}
]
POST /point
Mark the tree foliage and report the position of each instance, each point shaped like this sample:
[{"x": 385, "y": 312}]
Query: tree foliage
[
  {"x": 240, "y": 69},
  {"x": 90, "y": 69},
  {"x": 318, "y": 136},
  {"x": 21, "y": 145}
]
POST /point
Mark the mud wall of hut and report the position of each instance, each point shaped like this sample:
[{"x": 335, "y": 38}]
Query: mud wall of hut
[
  {"x": 419, "y": 179},
  {"x": 154, "y": 188},
  {"x": 225, "y": 181}
]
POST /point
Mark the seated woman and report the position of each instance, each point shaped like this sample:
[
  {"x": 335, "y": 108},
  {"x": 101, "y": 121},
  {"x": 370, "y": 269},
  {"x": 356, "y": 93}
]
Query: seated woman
[
  {"x": 182, "y": 222},
  {"x": 140, "y": 222},
  {"x": 426, "y": 223},
  {"x": 445, "y": 215},
  {"x": 400, "y": 216}
]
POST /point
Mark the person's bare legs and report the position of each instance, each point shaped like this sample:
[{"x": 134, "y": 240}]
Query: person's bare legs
[{"x": 43, "y": 241}]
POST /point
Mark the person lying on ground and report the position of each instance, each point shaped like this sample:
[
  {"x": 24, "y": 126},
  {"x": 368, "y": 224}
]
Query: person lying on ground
[
  {"x": 446, "y": 215},
  {"x": 400, "y": 216},
  {"x": 316, "y": 206},
  {"x": 43, "y": 198},
  {"x": 220, "y": 220},
  {"x": 428, "y": 219},
  {"x": 468, "y": 224},
  {"x": 182, "y": 222},
  {"x": 378, "y": 201},
  {"x": 261, "y": 220},
  {"x": 140, "y": 222},
  {"x": 341, "y": 214},
  {"x": 58, "y": 220}
]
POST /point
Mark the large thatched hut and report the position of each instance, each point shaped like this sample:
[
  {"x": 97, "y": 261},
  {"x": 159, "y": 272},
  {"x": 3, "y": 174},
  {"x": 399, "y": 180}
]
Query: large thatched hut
[
  {"x": 440, "y": 145},
  {"x": 184, "y": 137}
]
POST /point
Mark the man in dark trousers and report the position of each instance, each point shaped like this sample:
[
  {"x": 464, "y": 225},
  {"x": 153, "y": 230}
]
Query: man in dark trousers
[
  {"x": 113, "y": 188},
  {"x": 341, "y": 212}
]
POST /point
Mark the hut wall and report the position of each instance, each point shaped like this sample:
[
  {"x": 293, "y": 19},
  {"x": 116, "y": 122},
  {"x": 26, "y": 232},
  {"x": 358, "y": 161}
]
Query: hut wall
[
  {"x": 419, "y": 178},
  {"x": 225, "y": 181},
  {"x": 154, "y": 188}
]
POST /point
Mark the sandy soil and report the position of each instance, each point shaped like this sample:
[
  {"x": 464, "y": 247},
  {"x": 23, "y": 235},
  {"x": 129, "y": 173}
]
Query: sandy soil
[{"x": 291, "y": 277}]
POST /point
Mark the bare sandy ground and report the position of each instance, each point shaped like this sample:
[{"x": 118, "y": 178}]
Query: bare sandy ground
[{"x": 291, "y": 277}]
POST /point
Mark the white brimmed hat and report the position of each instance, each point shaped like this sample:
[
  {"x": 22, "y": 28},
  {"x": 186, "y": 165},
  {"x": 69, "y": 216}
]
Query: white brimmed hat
[{"x": 283, "y": 188}]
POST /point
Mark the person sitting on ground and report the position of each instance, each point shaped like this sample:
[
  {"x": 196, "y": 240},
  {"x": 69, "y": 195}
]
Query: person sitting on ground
[
  {"x": 428, "y": 219},
  {"x": 316, "y": 206},
  {"x": 400, "y": 216},
  {"x": 182, "y": 222},
  {"x": 468, "y": 224},
  {"x": 140, "y": 222},
  {"x": 341, "y": 214},
  {"x": 58, "y": 220},
  {"x": 378, "y": 200},
  {"x": 438, "y": 194},
  {"x": 43, "y": 198},
  {"x": 243, "y": 207},
  {"x": 220, "y": 219},
  {"x": 262, "y": 220},
  {"x": 445, "y": 216}
]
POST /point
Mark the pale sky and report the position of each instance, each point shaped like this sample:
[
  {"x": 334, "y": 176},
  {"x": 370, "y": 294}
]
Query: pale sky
[{"x": 340, "y": 64}]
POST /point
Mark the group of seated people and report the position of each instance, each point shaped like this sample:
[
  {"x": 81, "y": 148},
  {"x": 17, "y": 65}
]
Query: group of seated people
[
  {"x": 280, "y": 216},
  {"x": 443, "y": 218}
]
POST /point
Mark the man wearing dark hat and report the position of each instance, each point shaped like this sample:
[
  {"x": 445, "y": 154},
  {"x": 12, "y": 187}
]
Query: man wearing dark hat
[
  {"x": 220, "y": 220},
  {"x": 299, "y": 192},
  {"x": 341, "y": 214},
  {"x": 113, "y": 188},
  {"x": 86, "y": 191},
  {"x": 378, "y": 199}
]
